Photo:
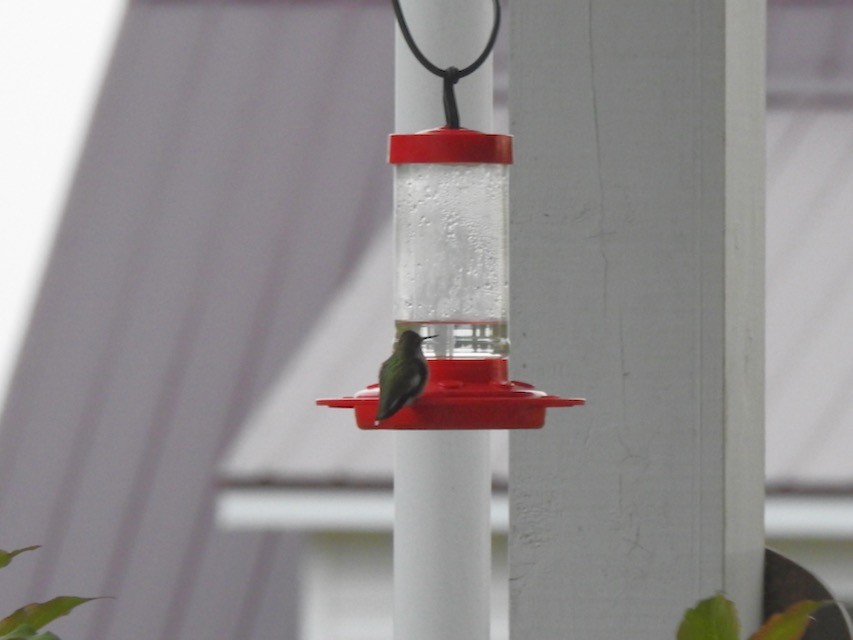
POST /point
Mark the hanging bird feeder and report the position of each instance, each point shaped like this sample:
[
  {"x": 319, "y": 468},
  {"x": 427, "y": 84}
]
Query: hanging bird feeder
[
  {"x": 451, "y": 215},
  {"x": 451, "y": 195}
]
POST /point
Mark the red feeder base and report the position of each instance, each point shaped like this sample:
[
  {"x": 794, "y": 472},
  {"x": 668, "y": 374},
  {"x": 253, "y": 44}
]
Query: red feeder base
[{"x": 460, "y": 394}]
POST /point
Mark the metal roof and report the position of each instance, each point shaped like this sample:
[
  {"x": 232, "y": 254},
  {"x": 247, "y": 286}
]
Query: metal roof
[
  {"x": 809, "y": 291},
  {"x": 232, "y": 174},
  {"x": 809, "y": 373}
]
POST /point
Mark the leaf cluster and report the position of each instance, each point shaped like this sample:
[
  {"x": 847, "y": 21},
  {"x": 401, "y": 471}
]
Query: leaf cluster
[
  {"x": 26, "y": 623},
  {"x": 716, "y": 619}
]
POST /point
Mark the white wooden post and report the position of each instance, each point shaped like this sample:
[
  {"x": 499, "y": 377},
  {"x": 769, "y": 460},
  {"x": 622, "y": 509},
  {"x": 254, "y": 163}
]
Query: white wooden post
[
  {"x": 637, "y": 281},
  {"x": 442, "y": 480}
]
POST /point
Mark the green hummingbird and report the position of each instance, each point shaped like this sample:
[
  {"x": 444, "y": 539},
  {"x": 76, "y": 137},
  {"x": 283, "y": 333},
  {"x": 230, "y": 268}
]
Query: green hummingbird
[{"x": 403, "y": 376}]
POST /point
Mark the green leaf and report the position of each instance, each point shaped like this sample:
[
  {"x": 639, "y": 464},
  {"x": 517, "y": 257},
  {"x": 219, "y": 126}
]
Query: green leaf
[
  {"x": 26, "y": 632},
  {"x": 38, "y": 614},
  {"x": 6, "y": 556},
  {"x": 791, "y": 624},
  {"x": 712, "y": 619}
]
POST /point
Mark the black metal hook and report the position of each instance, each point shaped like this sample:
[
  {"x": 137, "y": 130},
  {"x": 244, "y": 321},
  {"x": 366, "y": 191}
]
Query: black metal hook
[{"x": 451, "y": 75}]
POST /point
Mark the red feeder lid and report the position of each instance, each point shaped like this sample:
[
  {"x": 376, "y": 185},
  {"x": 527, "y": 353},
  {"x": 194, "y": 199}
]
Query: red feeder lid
[
  {"x": 451, "y": 146},
  {"x": 460, "y": 394}
]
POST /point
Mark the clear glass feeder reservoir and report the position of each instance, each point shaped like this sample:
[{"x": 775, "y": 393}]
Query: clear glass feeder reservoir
[{"x": 451, "y": 208}]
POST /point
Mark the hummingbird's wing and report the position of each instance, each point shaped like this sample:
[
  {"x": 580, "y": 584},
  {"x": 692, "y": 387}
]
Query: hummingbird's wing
[{"x": 399, "y": 384}]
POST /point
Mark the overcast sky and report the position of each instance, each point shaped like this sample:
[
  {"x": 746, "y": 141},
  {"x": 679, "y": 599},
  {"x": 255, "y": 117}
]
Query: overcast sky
[{"x": 52, "y": 58}]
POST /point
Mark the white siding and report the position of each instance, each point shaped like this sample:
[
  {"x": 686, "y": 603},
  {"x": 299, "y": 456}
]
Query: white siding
[{"x": 348, "y": 588}]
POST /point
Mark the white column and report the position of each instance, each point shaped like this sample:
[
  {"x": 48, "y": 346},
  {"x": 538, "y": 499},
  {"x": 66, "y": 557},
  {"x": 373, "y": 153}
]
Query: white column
[
  {"x": 442, "y": 480},
  {"x": 637, "y": 271},
  {"x": 441, "y": 536}
]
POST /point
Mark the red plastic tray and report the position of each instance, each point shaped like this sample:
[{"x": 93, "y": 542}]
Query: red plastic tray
[{"x": 460, "y": 394}]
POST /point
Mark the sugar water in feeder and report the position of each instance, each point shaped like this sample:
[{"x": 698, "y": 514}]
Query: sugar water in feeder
[
  {"x": 452, "y": 272},
  {"x": 451, "y": 194}
]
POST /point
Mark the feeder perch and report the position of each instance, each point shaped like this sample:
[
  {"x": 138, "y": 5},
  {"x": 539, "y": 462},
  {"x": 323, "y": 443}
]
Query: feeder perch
[{"x": 452, "y": 281}]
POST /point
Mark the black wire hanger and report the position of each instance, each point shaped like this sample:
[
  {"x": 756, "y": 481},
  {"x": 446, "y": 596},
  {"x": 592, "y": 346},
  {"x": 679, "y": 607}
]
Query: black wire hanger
[{"x": 450, "y": 75}]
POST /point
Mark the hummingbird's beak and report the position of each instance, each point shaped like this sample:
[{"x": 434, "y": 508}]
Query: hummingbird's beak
[{"x": 428, "y": 337}]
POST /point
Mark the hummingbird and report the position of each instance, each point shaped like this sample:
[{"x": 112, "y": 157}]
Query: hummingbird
[{"x": 403, "y": 376}]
